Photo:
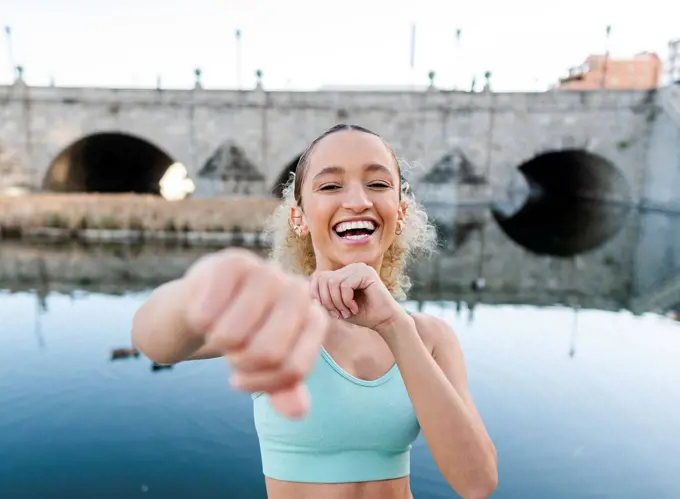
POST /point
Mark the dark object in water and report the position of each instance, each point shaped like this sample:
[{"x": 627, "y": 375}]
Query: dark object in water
[
  {"x": 160, "y": 367},
  {"x": 124, "y": 353}
]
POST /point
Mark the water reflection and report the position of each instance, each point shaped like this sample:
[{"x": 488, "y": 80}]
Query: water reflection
[
  {"x": 572, "y": 360},
  {"x": 637, "y": 268}
]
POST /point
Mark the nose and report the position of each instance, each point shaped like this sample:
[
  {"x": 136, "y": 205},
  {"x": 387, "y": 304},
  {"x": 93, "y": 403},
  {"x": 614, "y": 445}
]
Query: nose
[{"x": 357, "y": 199}]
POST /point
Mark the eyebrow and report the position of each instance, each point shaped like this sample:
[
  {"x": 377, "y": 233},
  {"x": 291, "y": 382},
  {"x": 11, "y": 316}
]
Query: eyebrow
[{"x": 372, "y": 167}]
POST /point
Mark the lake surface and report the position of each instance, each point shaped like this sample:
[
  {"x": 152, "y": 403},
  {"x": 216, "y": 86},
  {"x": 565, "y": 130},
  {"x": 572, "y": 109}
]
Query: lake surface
[{"x": 573, "y": 361}]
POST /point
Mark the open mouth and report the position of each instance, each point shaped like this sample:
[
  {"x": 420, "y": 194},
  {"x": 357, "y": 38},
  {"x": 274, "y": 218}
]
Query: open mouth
[{"x": 355, "y": 230}]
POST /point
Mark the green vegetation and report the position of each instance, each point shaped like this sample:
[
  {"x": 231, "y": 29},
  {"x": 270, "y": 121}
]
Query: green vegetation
[
  {"x": 108, "y": 223},
  {"x": 135, "y": 223},
  {"x": 55, "y": 221}
]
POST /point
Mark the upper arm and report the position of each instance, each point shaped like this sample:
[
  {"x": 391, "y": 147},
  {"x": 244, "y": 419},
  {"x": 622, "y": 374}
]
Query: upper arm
[
  {"x": 448, "y": 354},
  {"x": 446, "y": 351}
]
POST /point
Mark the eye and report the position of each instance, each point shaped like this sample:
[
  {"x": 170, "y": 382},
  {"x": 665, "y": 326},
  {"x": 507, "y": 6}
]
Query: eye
[
  {"x": 379, "y": 185},
  {"x": 329, "y": 187}
]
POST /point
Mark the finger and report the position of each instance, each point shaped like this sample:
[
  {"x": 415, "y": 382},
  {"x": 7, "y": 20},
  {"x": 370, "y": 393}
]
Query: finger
[
  {"x": 314, "y": 286},
  {"x": 347, "y": 293},
  {"x": 325, "y": 297},
  {"x": 247, "y": 311},
  {"x": 347, "y": 284},
  {"x": 295, "y": 368},
  {"x": 269, "y": 346},
  {"x": 336, "y": 296},
  {"x": 292, "y": 402}
]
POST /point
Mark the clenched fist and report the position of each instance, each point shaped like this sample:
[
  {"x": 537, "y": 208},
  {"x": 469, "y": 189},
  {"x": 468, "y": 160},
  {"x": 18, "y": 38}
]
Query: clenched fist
[
  {"x": 356, "y": 293},
  {"x": 260, "y": 318}
]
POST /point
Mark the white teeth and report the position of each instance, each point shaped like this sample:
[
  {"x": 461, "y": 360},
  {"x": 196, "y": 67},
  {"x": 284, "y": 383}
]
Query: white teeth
[{"x": 359, "y": 224}]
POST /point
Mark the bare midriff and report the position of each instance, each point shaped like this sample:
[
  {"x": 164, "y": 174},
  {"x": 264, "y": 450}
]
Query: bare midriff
[{"x": 398, "y": 488}]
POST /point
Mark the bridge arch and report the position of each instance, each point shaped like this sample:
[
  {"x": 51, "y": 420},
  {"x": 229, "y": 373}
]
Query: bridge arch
[
  {"x": 576, "y": 201},
  {"x": 576, "y": 173},
  {"x": 283, "y": 179},
  {"x": 229, "y": 170},
  {"x": 117, "y": 162}
]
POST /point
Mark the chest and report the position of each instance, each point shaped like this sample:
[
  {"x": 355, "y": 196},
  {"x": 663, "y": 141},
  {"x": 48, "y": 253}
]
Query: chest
[
  {"x": 346, "y": 412},
  {"x": 362, "y": 355}
]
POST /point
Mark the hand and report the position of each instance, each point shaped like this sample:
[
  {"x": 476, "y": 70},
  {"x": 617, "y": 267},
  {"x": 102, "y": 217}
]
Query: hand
[
  {"x": 357, "y": 294},
  {"x": 261, "y": 319}
]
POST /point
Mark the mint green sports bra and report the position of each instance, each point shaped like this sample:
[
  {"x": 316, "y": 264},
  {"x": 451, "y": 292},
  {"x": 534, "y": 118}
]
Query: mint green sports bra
[{"x": 355, "y": 430}]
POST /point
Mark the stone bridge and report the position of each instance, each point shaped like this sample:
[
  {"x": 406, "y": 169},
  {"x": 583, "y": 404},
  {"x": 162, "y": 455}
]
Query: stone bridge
[{"x": 462, "y": 146}]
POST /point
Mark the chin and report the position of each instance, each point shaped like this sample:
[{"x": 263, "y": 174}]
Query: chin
[
  {"x": 368, "y": 251},
  {"x": 367, "y": 258}
]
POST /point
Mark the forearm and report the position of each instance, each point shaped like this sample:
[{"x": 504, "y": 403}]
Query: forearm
[
  {"x": 159, "y": 330},
  {"x": 459, "y": 443}
]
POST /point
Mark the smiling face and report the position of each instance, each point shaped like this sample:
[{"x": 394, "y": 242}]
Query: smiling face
[{"x": 350, "y": 200}]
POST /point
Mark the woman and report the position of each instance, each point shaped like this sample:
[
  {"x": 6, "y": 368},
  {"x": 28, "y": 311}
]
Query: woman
[{"x": 342, "y": 377}]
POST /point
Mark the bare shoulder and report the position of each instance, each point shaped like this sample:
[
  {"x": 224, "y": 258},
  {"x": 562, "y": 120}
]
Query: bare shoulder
[
  {"x": 435, "y": 332},
  {"x": 443, "y": 344}
]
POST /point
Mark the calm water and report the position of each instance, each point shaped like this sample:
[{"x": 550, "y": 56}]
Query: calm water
[{"x": 574, "y": 363}]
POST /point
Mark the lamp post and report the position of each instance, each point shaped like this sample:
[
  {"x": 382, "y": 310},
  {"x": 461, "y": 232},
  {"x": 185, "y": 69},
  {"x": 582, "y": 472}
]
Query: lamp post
[
  {"x": 456, "y": 69},
  {"x": 238, "y": 59},
  {"x": 10, "y": 53},
  {"x": 603, "y": 82},
  {"x": 197, "y": 73}
]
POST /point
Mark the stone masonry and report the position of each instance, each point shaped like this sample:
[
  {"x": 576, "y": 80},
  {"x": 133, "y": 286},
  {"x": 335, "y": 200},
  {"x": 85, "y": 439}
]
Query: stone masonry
[{"x": 480, "y": 136}]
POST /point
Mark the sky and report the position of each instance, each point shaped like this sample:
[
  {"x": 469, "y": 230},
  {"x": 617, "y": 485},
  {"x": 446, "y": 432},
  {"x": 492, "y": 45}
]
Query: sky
[{"x": 305, "y": 44}]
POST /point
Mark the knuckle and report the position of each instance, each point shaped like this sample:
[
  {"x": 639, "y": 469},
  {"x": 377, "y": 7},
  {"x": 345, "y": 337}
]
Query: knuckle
[
  {"x": 227, "y": 342},
  {"x": 267, "y": 357},
  {"x": 294, "y": 372}
]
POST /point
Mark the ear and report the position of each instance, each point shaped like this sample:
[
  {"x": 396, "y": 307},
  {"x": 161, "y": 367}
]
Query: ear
[
  {"x": 401, "y": 212},
  {"x": 297, "y": 221}
]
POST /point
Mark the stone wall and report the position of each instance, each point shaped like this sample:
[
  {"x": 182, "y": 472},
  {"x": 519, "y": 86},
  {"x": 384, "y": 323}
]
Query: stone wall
[
  {"x": 495, "y": 133},
  {"x": 662, "y": 182}
]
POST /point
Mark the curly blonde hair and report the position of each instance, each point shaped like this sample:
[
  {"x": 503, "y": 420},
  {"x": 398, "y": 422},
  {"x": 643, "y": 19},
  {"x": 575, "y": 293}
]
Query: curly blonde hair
[{"x": 296, "y": 254}]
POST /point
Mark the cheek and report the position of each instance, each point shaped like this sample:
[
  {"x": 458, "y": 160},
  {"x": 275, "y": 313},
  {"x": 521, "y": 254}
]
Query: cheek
[
  {"x": 389, "y": 212},
  {"x": 319, "y": 218}
]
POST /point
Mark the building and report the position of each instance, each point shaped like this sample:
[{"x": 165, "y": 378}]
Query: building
[
  {"x": 642, "y": 72},
  {"x": 673, "y": 64}
]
